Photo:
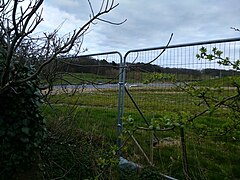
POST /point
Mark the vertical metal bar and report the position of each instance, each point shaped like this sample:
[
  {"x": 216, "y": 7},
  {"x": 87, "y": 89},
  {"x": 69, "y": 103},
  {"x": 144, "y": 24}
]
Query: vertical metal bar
[{"x": 120, "y": 102}]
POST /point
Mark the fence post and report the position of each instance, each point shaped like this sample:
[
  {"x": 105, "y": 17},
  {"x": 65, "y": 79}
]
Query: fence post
[
  {"x": 184, "y": 154},
  {"x": 120, "y": 101},
  {"x": 151, "y": 145}
]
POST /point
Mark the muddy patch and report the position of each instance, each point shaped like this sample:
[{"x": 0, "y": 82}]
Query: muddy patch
[{"x": 167, "y": 142}]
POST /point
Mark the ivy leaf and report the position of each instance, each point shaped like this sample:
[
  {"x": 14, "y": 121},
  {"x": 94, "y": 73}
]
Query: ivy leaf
[
  {"x": 151, "y": 127},
  {"x": 24, "y": 139},
  {"x": 2, "y": 132},
  {"x": 25, "y": 130}
]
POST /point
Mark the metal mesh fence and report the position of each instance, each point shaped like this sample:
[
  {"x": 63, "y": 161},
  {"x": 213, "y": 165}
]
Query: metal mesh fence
[
  {"x": 156, "y": 82},
  {"x": 86, "y": 88},
  {"x": 155, "y": 89},
  {"x": 102, "y": 90}
]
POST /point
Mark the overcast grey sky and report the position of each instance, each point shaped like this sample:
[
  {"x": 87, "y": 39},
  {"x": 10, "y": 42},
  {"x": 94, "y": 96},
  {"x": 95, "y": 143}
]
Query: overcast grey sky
[{"x": 149, "y": 22}]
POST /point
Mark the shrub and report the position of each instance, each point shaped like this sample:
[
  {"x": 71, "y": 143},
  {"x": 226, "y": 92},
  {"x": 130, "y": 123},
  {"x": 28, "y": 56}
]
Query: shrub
[{"x": 22, "y": 127}]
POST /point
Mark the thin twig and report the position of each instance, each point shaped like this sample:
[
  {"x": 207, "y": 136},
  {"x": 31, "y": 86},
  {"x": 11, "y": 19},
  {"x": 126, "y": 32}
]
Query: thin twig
[{"x": 140, "y": 148}]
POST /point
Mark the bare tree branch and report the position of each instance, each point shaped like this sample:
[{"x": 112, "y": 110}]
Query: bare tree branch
[
  {"x": 110, "y": 22},
  {"x": 17, "y": 25}
]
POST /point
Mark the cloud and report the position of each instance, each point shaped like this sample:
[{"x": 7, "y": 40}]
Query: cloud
[
  {"x": 188, "y": 20},
  {"x": 149, "y": 24},
  {"x": 54, "y": 18}
]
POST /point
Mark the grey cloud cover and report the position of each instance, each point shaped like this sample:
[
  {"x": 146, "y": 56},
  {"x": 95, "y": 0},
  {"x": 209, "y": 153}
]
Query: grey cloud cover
[{"x": 150, "y": 23}]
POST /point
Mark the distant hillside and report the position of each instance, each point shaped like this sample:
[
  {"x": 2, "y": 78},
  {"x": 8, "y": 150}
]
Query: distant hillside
[
  {"x": 88, "y": 65},
  {"x": 105, "y": 68}
]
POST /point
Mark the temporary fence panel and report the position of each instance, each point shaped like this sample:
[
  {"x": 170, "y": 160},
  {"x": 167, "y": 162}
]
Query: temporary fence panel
[
  {"x": 145, "y": 86},
  {"x": 178, "y": 64},
  {"x": 159, "y": 84},
  {"x": 90, "y": 83}
]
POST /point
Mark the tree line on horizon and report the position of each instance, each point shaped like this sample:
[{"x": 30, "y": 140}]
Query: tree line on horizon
[{"x": 104, "y": 68}]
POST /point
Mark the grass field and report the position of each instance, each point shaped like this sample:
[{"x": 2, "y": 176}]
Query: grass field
[
  {"x": 210, "y": 156},
  {"x": 80, "y": 78}
]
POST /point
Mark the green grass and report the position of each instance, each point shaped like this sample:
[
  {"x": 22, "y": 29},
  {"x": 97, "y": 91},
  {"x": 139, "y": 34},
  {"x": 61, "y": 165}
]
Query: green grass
[
  {"x": 210, "y": 156},
  {"x": 90, "y": 119},
  {"x": 81, "y": 78},
  {"x": 220, "y": 82},
  {"x": 75, "y": 78},
  {"x": 136, "y": 77},
  {"x": 92, "y": 98}
]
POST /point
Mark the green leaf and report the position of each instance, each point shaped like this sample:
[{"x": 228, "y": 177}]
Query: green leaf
[
  {"x": 214, "y": 49},
  {"x": 210, "y": 57},
  {"x": 150, "y": 127},
  {"x": 25, "y": 122},
  {"x": 203, "y": 50},
  {"x": 218, "y": 53},
  {"x": 2, "y": 132},
  {"x": 26, "y": 130},
  {"x": 24, "y": 139}
]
